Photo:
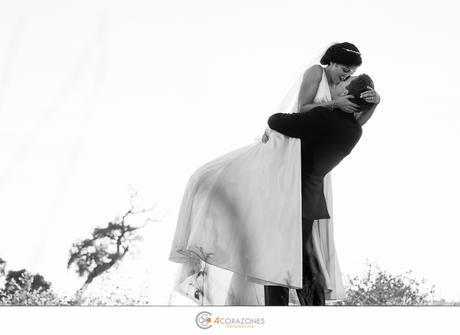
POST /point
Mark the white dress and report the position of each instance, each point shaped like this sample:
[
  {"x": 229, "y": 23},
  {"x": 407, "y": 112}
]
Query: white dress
[{"x": 240, "y": 225}]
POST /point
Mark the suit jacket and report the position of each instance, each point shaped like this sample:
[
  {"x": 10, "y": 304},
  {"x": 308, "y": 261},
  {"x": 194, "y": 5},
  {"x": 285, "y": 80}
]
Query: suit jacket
[{"x": 326, "y": 137}]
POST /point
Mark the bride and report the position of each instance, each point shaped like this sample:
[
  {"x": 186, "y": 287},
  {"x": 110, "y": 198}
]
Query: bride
[{"x": 240, "y": 223}]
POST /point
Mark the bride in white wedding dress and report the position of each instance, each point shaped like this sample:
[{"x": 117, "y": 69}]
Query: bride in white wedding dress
[{"x": 239, "y": 226}]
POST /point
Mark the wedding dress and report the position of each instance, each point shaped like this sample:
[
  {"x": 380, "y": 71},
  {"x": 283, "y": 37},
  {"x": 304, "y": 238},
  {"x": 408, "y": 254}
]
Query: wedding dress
[{"x": 240, "y": 221}]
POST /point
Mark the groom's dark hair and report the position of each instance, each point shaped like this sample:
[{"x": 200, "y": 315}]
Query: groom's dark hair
[{"x": 357, "y": 86}]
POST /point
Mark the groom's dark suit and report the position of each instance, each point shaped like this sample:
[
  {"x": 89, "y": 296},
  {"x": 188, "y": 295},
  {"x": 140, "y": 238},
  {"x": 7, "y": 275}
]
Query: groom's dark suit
[{"x": 327, "y": 136}]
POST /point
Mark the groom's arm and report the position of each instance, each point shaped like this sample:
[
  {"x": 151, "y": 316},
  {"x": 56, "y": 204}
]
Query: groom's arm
[{"x": 291, "y": 124}]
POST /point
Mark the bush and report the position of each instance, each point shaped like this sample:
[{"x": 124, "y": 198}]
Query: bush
[
  {"x": 24, "y": 289},
  {"x": 378, "y": 287},
  {"x": 20, "y": 291}
]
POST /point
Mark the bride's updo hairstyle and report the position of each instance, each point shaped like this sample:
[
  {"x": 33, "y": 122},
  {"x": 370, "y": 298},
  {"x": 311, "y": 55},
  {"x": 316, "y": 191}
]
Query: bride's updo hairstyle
[
  {"x": 342, "y": 53},
  {"x": 357, "y": 86}
]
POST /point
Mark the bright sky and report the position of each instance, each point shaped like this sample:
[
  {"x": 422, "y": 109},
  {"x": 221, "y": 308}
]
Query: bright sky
[{"x": 101, "y": 97}]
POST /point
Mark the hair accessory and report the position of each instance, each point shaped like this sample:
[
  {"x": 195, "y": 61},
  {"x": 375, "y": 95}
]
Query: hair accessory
[{"x": 349, "y": 50}]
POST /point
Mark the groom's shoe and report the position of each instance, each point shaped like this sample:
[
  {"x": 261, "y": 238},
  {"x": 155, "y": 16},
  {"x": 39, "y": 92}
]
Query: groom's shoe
[
  {"x": 276, "y": 295},
  {"x": 312, "y": 294}
]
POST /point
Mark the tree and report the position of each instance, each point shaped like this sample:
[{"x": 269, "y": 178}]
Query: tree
[
  {"x": 92, "y": 257},
  {"x": 2, "y": 267},
  {"x": 105, "y": 248}
]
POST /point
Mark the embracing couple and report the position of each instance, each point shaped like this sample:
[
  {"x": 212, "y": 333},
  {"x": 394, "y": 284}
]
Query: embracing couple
[{"x": 257, "y": 221}]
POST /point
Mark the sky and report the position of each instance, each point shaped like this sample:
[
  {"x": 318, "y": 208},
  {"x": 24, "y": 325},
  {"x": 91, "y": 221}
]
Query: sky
[{"x": 103, "y": 99}]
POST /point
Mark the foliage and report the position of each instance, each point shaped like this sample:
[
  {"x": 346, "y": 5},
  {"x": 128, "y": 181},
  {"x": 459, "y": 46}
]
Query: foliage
[
  {"x": 106, "y": 247},
  {"x": 92, "y": 257},
  {"x": 19, "y": 279},
  {"x": 110, "y": 290},
  {"x": 374, "y": 287},
  {"x": 25, "y": 289},
  {"x": 378, "y": 287},
  {"x": 24, "y": 295},
  {"x": 97, "y": 254}
]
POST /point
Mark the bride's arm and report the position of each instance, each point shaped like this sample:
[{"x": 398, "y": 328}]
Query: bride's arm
[
  {"x": 370, "y": 96},
  {"x": 365, "y": 116},
  {"x": 310, "y": 83}
]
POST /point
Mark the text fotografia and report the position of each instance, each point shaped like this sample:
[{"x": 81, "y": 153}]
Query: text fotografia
[{"x": 238, "y": 322}]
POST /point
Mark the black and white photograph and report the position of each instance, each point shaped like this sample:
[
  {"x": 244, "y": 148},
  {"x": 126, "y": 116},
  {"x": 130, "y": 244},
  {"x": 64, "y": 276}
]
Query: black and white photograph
[{"x": 228, "y": 164}]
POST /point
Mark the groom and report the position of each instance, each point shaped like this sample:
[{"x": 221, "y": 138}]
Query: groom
[{"x": 327, "y": 137}]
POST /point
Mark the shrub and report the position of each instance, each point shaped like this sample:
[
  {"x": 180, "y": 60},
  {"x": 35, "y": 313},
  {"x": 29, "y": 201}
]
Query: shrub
[
  {"x": 378, "y": 287},
  {"x": 24, "y": 289}
]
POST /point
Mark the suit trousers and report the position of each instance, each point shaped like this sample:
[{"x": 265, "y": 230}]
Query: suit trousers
[{"x": 312, "y": 293}]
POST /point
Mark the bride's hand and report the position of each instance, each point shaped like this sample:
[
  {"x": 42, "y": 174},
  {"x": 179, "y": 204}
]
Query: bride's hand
[
  {"x": 345, "y": 104},
  {"x": 370, "y": 96}
]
